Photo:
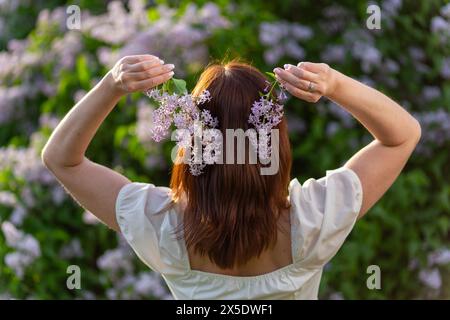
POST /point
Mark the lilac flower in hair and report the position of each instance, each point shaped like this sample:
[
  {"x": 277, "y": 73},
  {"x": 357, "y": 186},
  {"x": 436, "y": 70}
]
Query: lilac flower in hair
[
  {"x": 266, "y": 113},
  {"x": 182, "y": 110}
]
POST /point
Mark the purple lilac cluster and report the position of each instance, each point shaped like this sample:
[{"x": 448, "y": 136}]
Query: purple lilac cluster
[
  {"x": 118, "y": 268},
  {"x": 27, "y": 248},
  {"x": 183, "y": 111},
  {"x": 440, "y": 25},
  {"x": 431, "y": 275},
  {"x": 435, "y": 130},
  {"x": 266, "y": 113},
  {"x": 281, "y": 39},
  {"x": 179, "y": 38}
]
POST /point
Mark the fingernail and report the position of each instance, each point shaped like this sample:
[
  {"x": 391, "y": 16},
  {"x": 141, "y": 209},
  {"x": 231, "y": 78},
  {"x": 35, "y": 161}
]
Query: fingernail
[
  {"x": 277, "y": 70},
  {"x": 170, "y": 66},
  {"x": 171, "y": 73},
  {"x": 161, "y": 61}
]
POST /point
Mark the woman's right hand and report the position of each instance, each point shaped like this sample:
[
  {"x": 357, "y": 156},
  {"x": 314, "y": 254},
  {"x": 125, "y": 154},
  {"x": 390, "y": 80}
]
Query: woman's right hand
[
  {"x": 138, "y": 73},
  {"x": 308, "y": 81}
]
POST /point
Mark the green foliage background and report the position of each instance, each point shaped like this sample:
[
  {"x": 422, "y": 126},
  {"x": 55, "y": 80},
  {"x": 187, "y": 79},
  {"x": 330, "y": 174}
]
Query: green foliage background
[{"x": 411, "y": 220}]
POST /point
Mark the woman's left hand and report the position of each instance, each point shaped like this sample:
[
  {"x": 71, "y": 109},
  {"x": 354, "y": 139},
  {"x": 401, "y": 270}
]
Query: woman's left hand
[
  {"x": 307, "y": 81},
  {"x": 139, "y": 73}
]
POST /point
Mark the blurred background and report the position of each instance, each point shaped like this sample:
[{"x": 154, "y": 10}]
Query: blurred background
[{"x": 46, "y": 67}]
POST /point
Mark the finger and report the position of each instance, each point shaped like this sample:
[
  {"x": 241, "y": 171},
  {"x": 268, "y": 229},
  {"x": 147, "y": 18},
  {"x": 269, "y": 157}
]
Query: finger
[
  {"x": 139, "y": 58},
  {"x": 150, "y": 73},
  {"x": 153, "y": 82},
  {"x": 301, "y": 94},
  {"x": 302, "y": 73},
  {"x": 143, "y": 65},
  {"x": 299, "y": 83},
  {"x": 310, "y": 66},
  {"x": 308, "y": 78},
  {"x": 287, "y": 76}
]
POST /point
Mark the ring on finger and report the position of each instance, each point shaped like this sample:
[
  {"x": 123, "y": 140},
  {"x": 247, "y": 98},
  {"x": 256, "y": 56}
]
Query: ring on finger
[{"x": 311, "y": 87}]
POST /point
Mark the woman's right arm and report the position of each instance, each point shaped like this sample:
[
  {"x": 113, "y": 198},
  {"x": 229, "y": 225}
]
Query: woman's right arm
[{"x": 396, "y": 133}]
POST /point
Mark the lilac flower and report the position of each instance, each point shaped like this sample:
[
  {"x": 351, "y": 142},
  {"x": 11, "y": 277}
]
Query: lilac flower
[
  {"x": 183, "y": 111},
  {"x": 344, "y": 116},
  {"x": 27, "y": 247},
  {"x": 18, "y": 262},
  {"x": 336, "y": 296},
  {"x": 48, "y": 120},
  {"x": 28, "y": 197},
  {"x": 435, "y": 129},
  {"x": 431, "y": 278},
  {"x": 332, "y": 128},
  {"x": 445, "y": 68},
  {"x": 208, "y": 120},
  {"x": 362, "y": 45},
  {"x": 144, "y": 118},
  {"x": 281, "y": 39},
  {"x": 293, "y": 50},
  {"x": 370, "y": 56},
  {"x": 391, "y": 66},
  {"x": 336, "y": 19},
  {"x": 7, "y": 198},
  {"x": 163, "y": 115},
  {"x": 334, "y": 53},
  {"x": 265, "y": 115},
  {"x": 282, "y": 96},
  {"x": 18, "y": 215},
  {"x": 300, "y": 32},
  {"x": 439, "y": 24},
  {"x": 416, "y": 53},
  {"x": 439, "y": 257},
  {"x": 115, "y": 260},
  {"x": 210, "y": 15},
  {"x": 148, "y": 284},
  {"x": 178, "y": 38},
  {"x": 391, "y": 7},
  {"x": 72, "y": 250},
  {"x": 272, "y": 33},
  {"x": 67, "y": 49},
  {"x": 273, "y": 55},
  {"x": 12, "y": 235},
  {"x": 212, "y": 146},
  {"x": 445, "y": 11},
  {"x": 204, "y": 97},
  {"x": 430, "y": 93}
]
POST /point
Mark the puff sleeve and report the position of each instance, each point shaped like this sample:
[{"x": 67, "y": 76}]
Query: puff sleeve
[
  {"x": 326, "y": 210},
  {"x": 146, "y": 225}
]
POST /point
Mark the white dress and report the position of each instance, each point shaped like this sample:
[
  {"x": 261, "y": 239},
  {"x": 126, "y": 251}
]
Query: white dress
[{"x": 323, "y": 213}]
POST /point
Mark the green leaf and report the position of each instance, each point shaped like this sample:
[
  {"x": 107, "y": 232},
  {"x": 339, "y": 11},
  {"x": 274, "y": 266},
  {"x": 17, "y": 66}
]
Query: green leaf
[
  {"x": 179, "y": 86},
  {"x": 271, "y": 75}
]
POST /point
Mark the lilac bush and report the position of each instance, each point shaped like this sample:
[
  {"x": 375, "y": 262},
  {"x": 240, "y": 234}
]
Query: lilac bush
[{"x": 45, "y": 71}]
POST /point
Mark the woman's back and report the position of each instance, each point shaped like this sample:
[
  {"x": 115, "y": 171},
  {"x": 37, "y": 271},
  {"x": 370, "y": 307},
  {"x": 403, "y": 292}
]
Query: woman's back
[
  {"x": 270, "y": 260},
  {"x": 322, "y": 214}
]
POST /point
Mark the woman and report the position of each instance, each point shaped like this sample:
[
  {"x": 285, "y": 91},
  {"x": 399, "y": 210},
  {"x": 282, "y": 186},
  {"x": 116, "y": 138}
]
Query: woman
[{"x": 232, "y": 233}]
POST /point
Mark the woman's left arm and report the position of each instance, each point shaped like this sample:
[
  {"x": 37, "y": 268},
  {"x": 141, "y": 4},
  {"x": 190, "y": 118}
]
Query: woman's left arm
[{"x": 94, "y": 186}]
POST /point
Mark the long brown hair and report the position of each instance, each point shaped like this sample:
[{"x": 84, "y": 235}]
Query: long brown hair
[{"x": 231, "y": 213}]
